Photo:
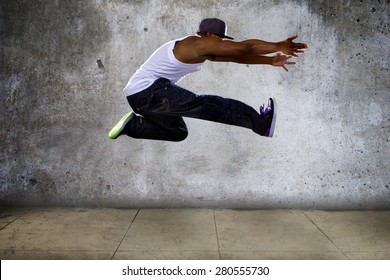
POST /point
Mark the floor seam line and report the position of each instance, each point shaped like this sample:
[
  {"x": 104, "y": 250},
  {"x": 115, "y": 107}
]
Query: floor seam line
[
  {"x": 17, "y": 218},
  {"x": 216, "y": 232},
  {"x": 325, "y": 235},
  {"x": 123, "y": 238}
]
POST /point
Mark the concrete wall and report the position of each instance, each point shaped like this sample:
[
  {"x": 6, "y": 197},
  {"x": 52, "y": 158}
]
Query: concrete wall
[{"x": 64, "y": 65}]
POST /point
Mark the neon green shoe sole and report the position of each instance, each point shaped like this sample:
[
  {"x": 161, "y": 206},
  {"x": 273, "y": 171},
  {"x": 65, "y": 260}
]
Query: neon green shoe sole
[{"x": 116, "y": 131}]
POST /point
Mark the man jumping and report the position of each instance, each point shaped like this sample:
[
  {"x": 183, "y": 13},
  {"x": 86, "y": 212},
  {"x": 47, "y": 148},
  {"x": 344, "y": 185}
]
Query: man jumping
[{"x": 159, "y": 105}]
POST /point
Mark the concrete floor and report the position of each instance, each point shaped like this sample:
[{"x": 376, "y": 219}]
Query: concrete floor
[{"x": 65, "y": 233}]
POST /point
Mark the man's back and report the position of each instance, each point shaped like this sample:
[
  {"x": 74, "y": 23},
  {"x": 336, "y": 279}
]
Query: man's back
[{"x": 163, "y": 63}]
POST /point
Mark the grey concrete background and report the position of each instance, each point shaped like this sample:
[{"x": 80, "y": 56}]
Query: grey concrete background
[{"x": 64, "y": 65}]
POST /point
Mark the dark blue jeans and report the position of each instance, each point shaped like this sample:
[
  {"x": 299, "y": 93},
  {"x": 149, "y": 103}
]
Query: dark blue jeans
[{"x": 162, "y": 106}]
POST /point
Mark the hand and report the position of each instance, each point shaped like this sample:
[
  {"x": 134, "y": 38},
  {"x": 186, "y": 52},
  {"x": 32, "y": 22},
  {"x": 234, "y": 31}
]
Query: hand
[
  {"x": 280, "y": 60},
  {"x": 288, "y": 47}
]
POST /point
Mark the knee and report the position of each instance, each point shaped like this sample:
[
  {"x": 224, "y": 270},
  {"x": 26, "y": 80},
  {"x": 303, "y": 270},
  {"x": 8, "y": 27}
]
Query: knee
[{"x": 180, "y": 135}]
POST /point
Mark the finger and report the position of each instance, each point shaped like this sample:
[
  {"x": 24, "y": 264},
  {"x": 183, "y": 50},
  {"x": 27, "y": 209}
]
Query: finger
[
  {"x": 293, "y": 38},
  {"x": 290, "y": 62},
  {"x": 299, "y": 45},
  {"x": 285, "y": 68}
]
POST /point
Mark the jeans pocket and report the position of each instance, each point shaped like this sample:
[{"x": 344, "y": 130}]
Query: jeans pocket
[
  {"x": 158, "y": 101},
  {"x": 139, "y": 101}
]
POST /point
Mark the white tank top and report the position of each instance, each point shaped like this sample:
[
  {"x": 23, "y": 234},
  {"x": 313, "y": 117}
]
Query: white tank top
[{"x": 161, "y": 64}]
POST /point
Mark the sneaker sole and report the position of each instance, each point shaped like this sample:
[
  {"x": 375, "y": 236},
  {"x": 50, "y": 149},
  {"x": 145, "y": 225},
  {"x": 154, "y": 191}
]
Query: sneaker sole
[
  {"x": 118, "y": 128},
  {"x": 273, "y": 123}
]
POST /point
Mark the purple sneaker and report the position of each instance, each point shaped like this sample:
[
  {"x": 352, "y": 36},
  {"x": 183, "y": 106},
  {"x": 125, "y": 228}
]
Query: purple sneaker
[{"x": 269, "y": 114}]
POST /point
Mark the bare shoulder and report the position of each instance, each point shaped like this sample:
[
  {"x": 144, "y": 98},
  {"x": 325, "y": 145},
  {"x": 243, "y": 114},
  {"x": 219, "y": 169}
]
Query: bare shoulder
[
  {"x": 186, "y": 50},
  {"x": 194, "y": 49}
]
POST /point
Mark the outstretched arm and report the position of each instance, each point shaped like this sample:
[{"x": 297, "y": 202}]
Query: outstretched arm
[
  {"x": 215, "y": 47},
  {"x": 279, "y": 60},
  {"x": 287, "y": 46}
]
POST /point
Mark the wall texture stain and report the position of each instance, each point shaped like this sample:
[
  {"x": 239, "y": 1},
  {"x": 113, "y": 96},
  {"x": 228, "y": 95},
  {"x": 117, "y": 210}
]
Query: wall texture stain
[{"x": 63, "y": 65}]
